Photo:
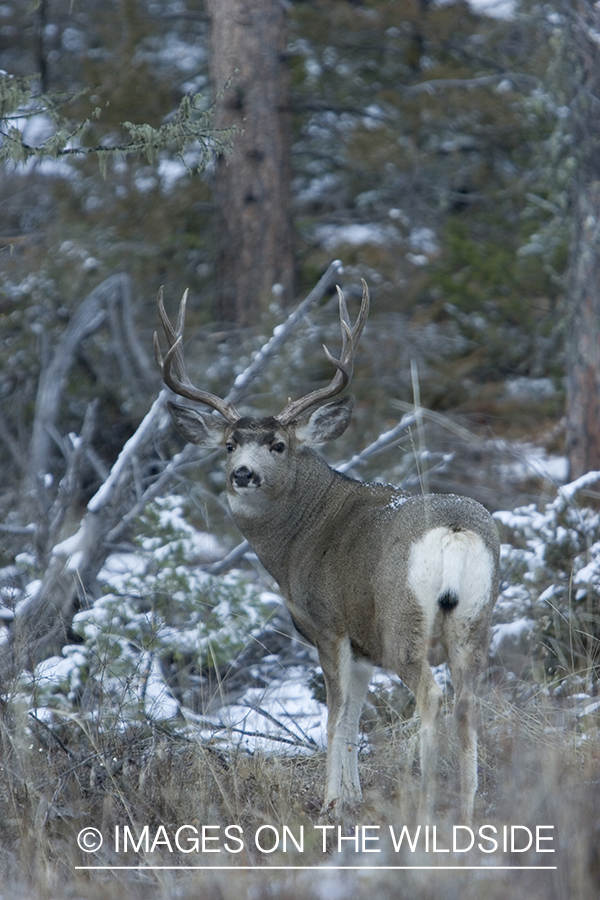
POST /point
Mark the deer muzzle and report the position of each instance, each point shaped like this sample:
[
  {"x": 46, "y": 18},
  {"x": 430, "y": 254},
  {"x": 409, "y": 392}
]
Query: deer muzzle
[{"x": 244, "y": 477}]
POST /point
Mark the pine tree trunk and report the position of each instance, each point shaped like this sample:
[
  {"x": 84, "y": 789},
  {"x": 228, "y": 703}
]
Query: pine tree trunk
[
  {"x": 583, "y": 340},
  {"x": 252, "y": 191},
  {"x": 583, "y": 322}
]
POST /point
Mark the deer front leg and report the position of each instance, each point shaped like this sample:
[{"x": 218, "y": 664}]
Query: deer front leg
[{"x": 346, "y": 680}]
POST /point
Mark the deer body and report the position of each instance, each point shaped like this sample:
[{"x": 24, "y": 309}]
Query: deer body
[{"x": 371, "y": 574}]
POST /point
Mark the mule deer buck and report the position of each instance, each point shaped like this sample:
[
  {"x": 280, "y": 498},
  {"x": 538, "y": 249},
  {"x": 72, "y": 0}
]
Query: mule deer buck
[{"x": 371, "y": 574}]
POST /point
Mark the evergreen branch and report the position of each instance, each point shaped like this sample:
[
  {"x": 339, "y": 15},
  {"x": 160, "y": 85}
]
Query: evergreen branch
[{"x": 190, "y": 127}]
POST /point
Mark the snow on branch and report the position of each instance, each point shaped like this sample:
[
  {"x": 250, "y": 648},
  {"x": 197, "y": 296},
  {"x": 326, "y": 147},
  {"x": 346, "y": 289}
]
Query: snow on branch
[
  {"x": 381, "y": 443},
  {"x": 283, "y": 331},
  {"x": 567, "y": 492}
]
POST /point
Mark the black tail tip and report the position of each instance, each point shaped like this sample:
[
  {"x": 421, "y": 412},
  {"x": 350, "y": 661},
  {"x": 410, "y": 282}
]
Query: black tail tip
[{"x": 448, "y": 600}]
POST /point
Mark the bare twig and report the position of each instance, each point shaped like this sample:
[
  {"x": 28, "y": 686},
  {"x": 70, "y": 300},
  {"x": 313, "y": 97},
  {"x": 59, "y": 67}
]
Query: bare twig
[
  {"x": 234, "y": 556},
  {"x": 271, "y": 718},
  {"x": 381, "y": 443},
  {"x": 282, "y": 332},
  {"x": 296, "y": 742},
  {"x": 43, "y": 725},
  {"x": 69, "y": 483},
  {"x": 17, "y": 529}
]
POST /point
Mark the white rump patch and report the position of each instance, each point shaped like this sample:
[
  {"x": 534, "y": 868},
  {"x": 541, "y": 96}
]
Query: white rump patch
[{"x": 458, "y": 562}]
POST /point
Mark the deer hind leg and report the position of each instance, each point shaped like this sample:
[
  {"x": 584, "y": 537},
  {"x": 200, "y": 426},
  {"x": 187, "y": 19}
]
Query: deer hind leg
[
  {"x": 428, "y": 697},
  {"x": 429, "y": 703},
  {"x": 464, "y": 713},
  {"x": 346, "y": 680},
  {"x": 465, "y": 674}
]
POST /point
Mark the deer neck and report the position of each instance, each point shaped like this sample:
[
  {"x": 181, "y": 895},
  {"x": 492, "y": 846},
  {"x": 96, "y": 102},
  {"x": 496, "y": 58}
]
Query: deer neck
[{"x": 279, "y": 533}]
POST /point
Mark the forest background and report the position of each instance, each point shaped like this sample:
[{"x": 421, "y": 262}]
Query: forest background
[{"x": 445, "y": 153}]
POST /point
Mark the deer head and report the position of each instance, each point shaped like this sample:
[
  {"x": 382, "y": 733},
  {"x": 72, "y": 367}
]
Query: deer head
[{"x": 261, "y": 452}]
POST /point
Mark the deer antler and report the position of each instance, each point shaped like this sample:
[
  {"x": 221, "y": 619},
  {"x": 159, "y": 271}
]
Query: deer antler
[
  {"x": 344, "y": 365},
  {"x": 172, "y": 368}
]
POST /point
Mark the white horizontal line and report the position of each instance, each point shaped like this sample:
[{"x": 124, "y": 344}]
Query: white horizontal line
[{"x": 320, "y": 868}]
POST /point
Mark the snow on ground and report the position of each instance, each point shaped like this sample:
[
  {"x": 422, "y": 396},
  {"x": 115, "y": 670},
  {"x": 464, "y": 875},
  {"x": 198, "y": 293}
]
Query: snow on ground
[
  {"x": 273, "y": 718},
  {"x": 529, "y": 461},
  {"x": 509, "y": 632}
]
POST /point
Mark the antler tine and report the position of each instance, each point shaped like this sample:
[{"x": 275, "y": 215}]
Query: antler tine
[
  {"x": 344, "y": 365},
  {"x": 181, "y": 312},
  {"x": 363, "y": 313},
  {"x": 172, "y": 368},
  {"x": 173, "y": 336}
]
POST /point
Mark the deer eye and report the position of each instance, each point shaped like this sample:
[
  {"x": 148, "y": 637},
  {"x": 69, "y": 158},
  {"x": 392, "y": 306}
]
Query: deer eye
[
  {"x": 230, "y": 447},
  {"x": 279, "y": 447}
]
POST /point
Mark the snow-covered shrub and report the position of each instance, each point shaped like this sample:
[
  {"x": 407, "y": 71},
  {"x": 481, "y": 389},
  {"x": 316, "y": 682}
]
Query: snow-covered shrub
[
  {"x": 551, "y": 580},
  {"x": 162, "y": 627}
]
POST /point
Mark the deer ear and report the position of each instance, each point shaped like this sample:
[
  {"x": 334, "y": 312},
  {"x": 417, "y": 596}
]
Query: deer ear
[
  {"x": 326, "y": 423},
  {"x": 198, "y": 428}
]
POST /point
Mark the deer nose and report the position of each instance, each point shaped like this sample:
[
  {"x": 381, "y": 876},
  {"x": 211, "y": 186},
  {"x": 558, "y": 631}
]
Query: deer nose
[{"x": 242, "y": 476}]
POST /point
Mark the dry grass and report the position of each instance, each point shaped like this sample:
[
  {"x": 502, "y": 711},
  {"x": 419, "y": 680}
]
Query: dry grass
[{"x": 53, "y": 785}]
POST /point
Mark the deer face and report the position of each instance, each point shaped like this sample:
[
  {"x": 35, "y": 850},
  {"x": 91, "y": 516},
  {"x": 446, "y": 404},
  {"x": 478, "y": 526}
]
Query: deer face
[{"x": 262, "y": 453}]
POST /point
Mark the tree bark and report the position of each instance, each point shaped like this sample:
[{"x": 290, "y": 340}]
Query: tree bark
[
  {"x": 252, "y": 189},
  {"x": 583, "y": 340},
  {"x": 583, "y": 321}
]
